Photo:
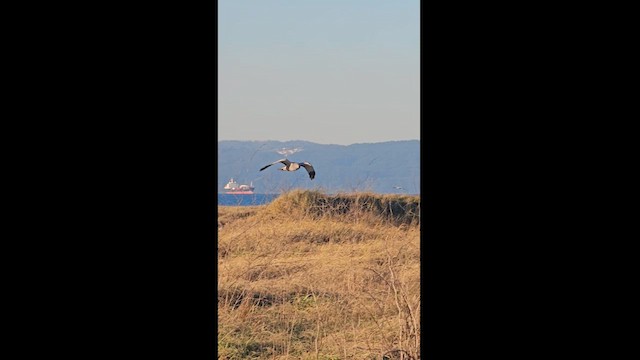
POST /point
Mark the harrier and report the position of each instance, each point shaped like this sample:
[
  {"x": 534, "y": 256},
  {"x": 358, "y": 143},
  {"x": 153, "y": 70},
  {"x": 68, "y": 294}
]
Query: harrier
[{"x": 293, "y": 166}]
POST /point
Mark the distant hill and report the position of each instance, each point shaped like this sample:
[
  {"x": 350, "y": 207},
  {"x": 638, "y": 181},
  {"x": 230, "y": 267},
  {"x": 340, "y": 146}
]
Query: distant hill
[{"x": 377, "y": 167}]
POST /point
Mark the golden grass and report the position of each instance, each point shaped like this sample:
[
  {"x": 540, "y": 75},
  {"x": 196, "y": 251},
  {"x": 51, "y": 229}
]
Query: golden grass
[{"x": 314, "y": 276}]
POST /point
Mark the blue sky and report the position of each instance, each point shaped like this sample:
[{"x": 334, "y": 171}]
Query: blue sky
[{"x": 327, "y": 71}]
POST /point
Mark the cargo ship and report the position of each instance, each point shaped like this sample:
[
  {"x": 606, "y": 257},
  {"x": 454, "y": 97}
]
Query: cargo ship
[{"x": 233, "y": 187}]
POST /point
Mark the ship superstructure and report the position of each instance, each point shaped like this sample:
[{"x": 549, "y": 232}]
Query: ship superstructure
[{"x": 233, "y": 187}]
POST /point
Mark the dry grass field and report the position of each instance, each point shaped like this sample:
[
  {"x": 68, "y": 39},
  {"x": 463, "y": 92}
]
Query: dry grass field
[{"x": 315, "y": 276}]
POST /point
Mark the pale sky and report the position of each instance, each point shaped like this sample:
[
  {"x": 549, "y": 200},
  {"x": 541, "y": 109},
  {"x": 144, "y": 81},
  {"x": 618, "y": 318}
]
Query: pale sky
[{"x": 326, "y": 71}]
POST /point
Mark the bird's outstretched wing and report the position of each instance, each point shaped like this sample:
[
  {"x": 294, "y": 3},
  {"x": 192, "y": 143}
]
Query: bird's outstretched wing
[
  {"x": 284, "y": 161},
  {"x": 310, "y": 170}
]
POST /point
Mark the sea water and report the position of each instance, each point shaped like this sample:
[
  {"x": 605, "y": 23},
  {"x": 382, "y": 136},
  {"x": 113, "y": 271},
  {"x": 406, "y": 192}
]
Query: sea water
[{"x": 245, "y": 200}]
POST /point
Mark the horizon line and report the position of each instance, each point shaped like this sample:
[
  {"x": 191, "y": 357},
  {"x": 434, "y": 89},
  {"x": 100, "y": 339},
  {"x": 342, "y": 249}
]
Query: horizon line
[{"x": 286, "y": 141}]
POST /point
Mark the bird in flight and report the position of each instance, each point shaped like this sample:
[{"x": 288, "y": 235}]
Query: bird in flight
[{"x": 293, "y": 166}]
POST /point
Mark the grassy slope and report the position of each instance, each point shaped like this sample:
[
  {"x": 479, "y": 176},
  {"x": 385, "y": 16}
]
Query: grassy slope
[{"x": 319, "y": 277}]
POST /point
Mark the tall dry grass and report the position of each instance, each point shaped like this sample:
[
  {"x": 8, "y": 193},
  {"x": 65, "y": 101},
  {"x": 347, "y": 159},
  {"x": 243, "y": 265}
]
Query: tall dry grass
[{"x": 314, "y": 276}]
